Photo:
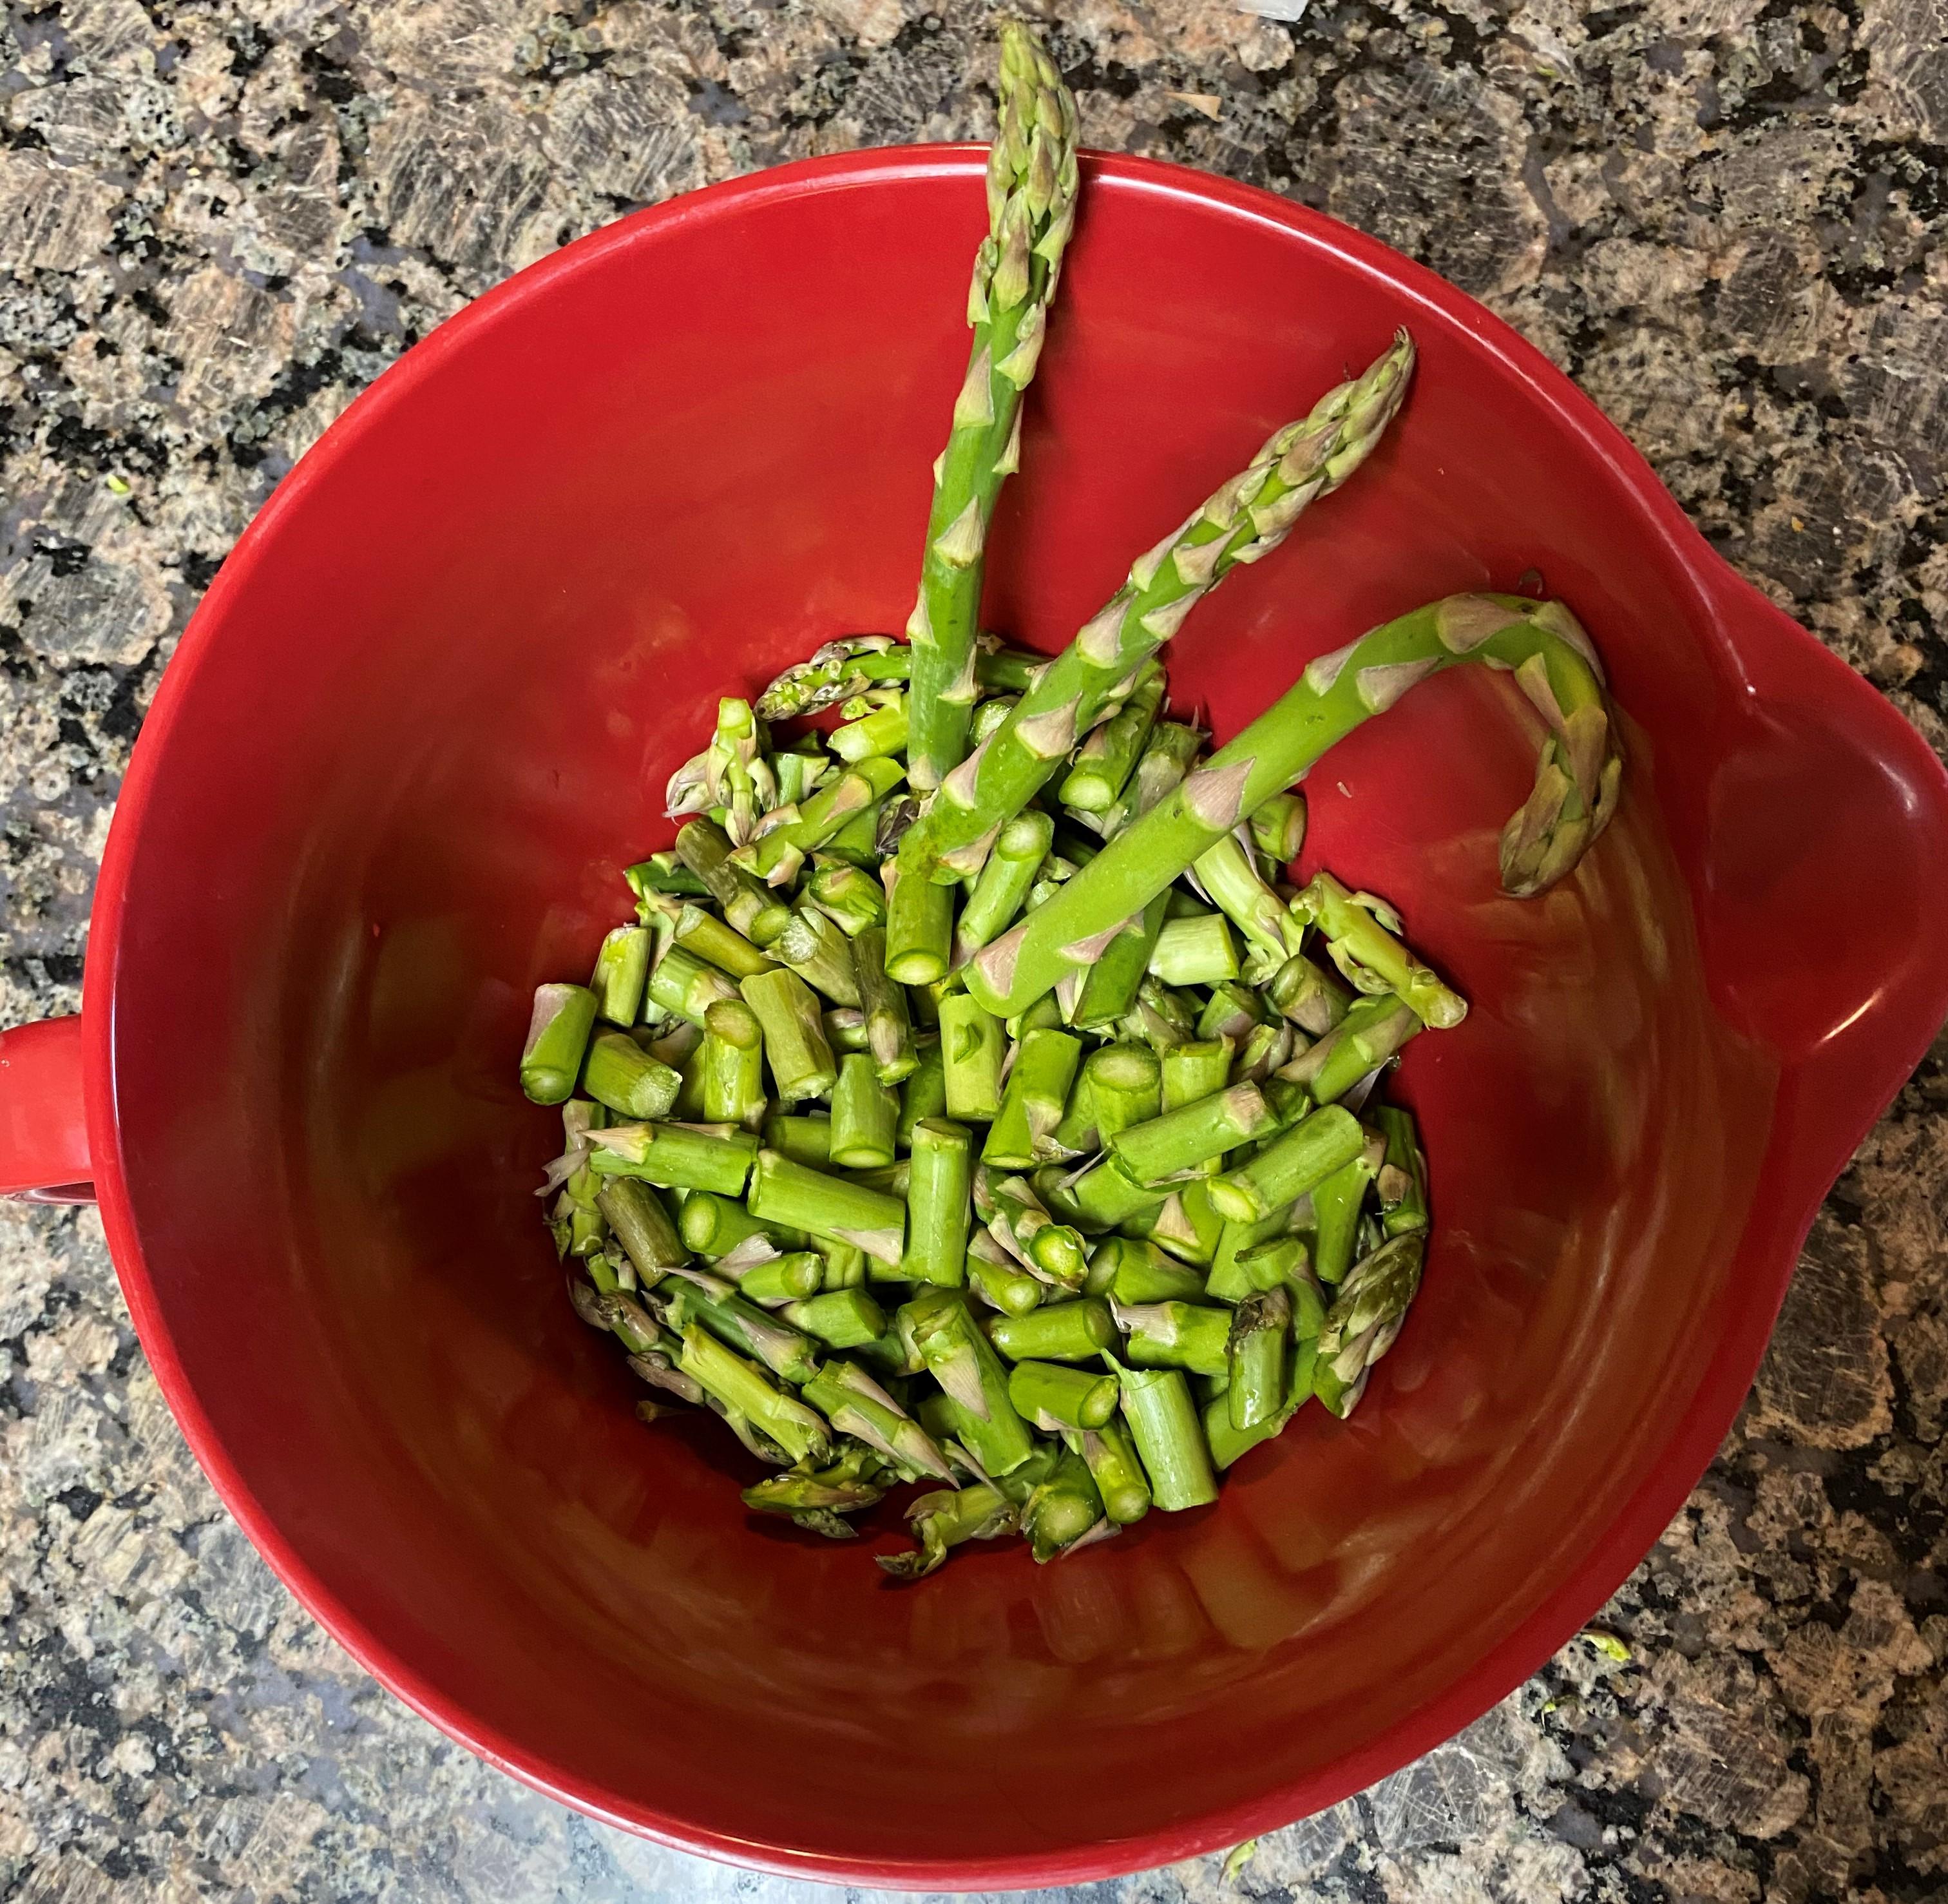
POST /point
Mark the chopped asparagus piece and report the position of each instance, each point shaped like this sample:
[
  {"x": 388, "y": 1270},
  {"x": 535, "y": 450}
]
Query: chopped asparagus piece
[
  {"x": 622, "y": 968},
  {"x": 557, "y": 1036},
  {"x": 1168, "y": 1436}
]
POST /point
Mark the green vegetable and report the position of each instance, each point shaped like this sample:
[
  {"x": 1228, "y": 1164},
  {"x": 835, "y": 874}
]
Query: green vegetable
[{"x": 1032, "y": 182}]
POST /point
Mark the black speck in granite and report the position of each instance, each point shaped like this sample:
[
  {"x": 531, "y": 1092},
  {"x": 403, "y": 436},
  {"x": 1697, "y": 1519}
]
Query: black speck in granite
[{"x": 220, "y": 218}]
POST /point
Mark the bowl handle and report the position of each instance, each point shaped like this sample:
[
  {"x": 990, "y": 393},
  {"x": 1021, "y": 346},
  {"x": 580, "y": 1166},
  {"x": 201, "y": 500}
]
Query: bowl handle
[{"x": 44, "y": 1153}]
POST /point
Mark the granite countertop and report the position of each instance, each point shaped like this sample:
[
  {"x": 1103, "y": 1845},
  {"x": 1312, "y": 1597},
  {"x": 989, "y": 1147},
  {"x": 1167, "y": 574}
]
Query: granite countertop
[{"x": 219, "y": 219}]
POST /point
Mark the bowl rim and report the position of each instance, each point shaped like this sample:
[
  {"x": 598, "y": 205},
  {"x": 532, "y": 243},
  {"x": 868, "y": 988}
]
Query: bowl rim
[{"x": 1688, "y": 1444}]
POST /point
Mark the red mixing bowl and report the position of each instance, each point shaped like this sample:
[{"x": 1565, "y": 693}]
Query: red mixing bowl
[{"x": 423, "y": 718}]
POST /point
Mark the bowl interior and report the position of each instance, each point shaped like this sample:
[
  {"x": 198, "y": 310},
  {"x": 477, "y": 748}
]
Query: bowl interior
[{"x": 426, "y": 718}]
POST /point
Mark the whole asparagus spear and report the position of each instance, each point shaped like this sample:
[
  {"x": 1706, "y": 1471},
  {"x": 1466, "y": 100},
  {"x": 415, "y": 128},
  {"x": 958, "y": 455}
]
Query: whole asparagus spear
[
  {"x": 1246, "y": 519},
  {"x": 1576, "y": 783},
  {"x": 1031, "y": 189}
]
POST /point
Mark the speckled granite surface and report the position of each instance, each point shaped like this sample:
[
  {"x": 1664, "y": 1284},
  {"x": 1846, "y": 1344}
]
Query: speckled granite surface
[{"x": 217, "y": 221}]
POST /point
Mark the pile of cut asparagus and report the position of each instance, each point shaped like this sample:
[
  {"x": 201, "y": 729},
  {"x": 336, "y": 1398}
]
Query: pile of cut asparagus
[{"x": 972, "y": 1100}]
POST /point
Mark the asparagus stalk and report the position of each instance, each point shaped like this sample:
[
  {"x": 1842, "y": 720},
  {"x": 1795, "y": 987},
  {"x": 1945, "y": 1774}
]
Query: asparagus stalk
[
  {"x": 820, "y": 955},
  {"x": 857, "y": 842},
  {"x": 815, "y": 1498},
  {"x": 1062, "y": 1509},
  {"x": 1192, "y": 1071},
  {"x": 1078, "y": 1134},
  {"x": 1019, "y": 1223},
  {"x": 1226, "y": 872},
  {"x": 1285, "y": 1263},
  {"x": 1106, "y": 760},
  {"x": 707, "y": 937},
  {"x": 845, "y": 1266},
  {"x": 688, "y": 1108},
  {"x": 988, "y": 715},
  {"x": 882, "y": 731},
  {"x": 1175, "y": 1335},
  {"x": 1403, "y": 1175},
  {"x": 960, "y": 1359},
  {"x": 732, "y": 1060},
  {"x": 713, "y": 1226},
  {"x": 972, "y": 1048},
  {"x": 1313, "y": 1000},
  {"x": 663, "y": 873},
  {"x": 1125, "y": 1088},
  {"x": 782, "y": 844},
  {"x": 1168, "y": 754},
  {"x": 1195, "y": 952},
  {"x": 620, "y": 1074},
  {"x": 1077, "y": 1331},
  {"x": 828, "y": 1206},
  {"x": 1246, "y": 520},
  {"x": 748, "y": 905},
  {"x": 946, "y": 1519},
  {"x": 994, "y": 1276},
  {"x": 1278, "y": 827},
  {"x": 1336, "y": 1203},
  {"x": 1115, "y": 977},
  {"x": 674, "y": 1157},
  {"x": 1141, "y": 1273},
  {"x": 1232, "y": 1012},
  {"x": 1226, "y": 1442},
  {"x": 794, "y": 1043},
  {"x": 739, "y": 1384},
  {"x": 798, "y": 772},
  {"x": 685, "y": 986},
  {"x": 1369, "y": 1034},
  {"x": 744, "y": 775},
  {"x": 1228, "y": 1281},
  {"x": 864, "y": 1115},
  {"x": 888, "y": 1023},
  {"x": 806, "y": 1139},
  {"x": 1003, "y": 887},
  {"x": 1365, "y": 1320},
  {"x": 841, "y": 1318},
  {"x": 1373, "y": 959},
  {"x": 1187, "y": 1223},
  {"x": 924, "y": 1094},
  {"x": 659, "y": 1371},
  {"x": 937, "y": 1201},
  {"x": 1113, "y": 1464},
  {"x": 735, "y": 1319},
  {"x": 1033, "y": 1101},
  {"x": 622, "y": 968},
  {"x": 1255, "y": 1356},
  {"x": 856, "y": 1405},
  {"x": 836, "y": 671},
  {"x": 848, "y": 895},
  {"x": 855, "y": 662},
  {"x": 558, "y": 1032},
  {"x": 889, "y": 1179},
  {"x": 1164, "y": 1424},
  {"x": 920, "y": 925},
  {"x": 1184, "y": 1138},
  {"x": 642, "y": 1226},
  {"x": 1105, "y": 1195},
  {"x": 779, "y": 1281},
  {"x": 1575, "y": 792},
  {"x": 1031, "y": 188},
  {"x": 1295, "y": 1162},
  {"x": 621, "y": 1315},
  {"x": 1053, "y": 1397}
]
